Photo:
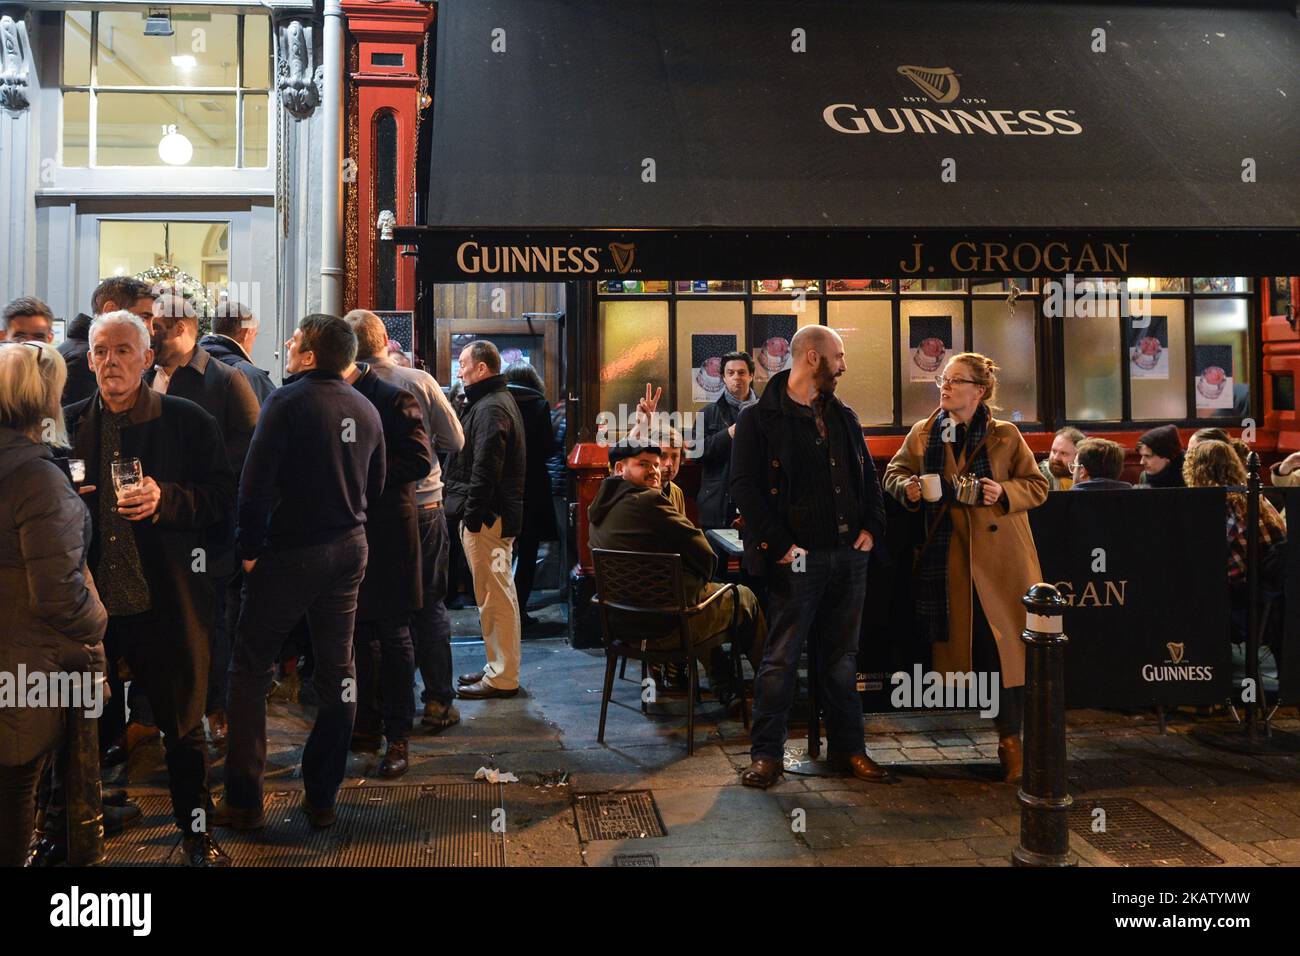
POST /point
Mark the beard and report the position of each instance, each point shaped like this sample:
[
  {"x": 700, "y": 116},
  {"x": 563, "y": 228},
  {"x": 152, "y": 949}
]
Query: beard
[
  {"x": 824, "y": 378},
  {"x": 1058, "y": 468}
]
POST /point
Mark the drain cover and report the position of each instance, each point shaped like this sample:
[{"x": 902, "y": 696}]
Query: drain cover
[
  {"x": 618, "y": 815},
  {"x": 448, "y": 825},
  {"x": 636, "y": 859},
  {"x": 1134, "y": 836}
]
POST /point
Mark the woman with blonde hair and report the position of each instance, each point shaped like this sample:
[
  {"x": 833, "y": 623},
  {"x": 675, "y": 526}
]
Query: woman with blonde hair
[
  {"x": 54, "y": 619},
  {"x": 978, "y": 558}
]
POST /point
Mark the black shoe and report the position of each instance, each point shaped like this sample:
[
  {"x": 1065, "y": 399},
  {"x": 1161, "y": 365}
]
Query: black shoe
[
  {"x": 114, "y": 798},
  {"x": 47, "y": 852},
  {"x": 320, "y": 819},
  {"x": 117, "y": 819},
  {"x": 201, "y": 850}
]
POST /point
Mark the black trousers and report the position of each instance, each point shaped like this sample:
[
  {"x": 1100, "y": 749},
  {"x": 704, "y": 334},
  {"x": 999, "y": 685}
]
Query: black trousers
[
  {"x": 18, "y": 809},
  {"x": 986, "y": 659}
]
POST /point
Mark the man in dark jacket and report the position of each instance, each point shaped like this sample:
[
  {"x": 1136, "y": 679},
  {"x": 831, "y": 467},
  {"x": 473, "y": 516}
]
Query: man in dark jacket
[
  {"x": 316, "y": 459},
  {"x": 1097, "y": 466},
  {"x": 807, "y": 489},
  {"x": 717, "y": 510},
  {"x": 392, "y": 589},
  {"x": 234, "y": 329},
  {"x": 525, "y": 387},
  {"x": 631, "y": 513},
  {"x": 76, "y": 345},
  {"x": 184, "y": 370},
  {"x": 143, "y": 551},
  {"x": 1161, "y": 452},
  {"x": 485, "y": 488}
]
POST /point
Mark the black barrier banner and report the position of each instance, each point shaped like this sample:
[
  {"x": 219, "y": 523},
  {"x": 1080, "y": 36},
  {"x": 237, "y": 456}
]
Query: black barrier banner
[{"x": 1145, "y": 575}]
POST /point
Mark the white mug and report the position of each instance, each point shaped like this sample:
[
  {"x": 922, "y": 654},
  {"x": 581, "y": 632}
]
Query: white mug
[{"x": 931, "y": 487}]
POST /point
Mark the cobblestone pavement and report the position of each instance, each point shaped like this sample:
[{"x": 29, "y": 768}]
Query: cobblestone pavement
[{"x": 946, "y": 808}]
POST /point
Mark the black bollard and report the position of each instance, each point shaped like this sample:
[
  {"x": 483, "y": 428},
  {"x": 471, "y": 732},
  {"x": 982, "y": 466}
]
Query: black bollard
[
  {"x": 81, "y": 783},
  {"x": 1253, "y": 490},
  {"x": 1044, "y": 800}
]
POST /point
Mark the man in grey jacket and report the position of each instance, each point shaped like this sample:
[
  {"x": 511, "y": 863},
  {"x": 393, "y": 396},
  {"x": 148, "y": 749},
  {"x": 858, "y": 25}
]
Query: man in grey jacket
[{"x": 431, "y": 624}]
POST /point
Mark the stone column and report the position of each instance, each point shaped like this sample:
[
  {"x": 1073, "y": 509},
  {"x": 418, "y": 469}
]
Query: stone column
[{"x": 18, "y": 149}]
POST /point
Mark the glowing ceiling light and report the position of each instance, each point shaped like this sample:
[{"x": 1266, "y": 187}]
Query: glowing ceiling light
[
  {"x": 174, "y": 148},
  {"x": 184, "y": 61}
]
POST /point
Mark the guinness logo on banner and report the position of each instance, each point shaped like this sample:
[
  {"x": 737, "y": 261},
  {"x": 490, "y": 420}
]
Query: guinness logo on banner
[
  {"x": 1175, "y": 652},
  {"x": 624, "y": 254},
  {"x": 937, "y": 82}
]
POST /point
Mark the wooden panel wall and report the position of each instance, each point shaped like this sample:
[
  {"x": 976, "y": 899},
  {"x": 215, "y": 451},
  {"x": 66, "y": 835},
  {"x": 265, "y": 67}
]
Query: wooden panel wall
[{"x": 474, "y": 300}]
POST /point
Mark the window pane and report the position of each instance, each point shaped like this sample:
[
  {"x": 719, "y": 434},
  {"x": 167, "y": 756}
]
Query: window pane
[
  {"x": 859, "y": 285},
  {"x": 633, "y": 350},
  {"x": 201, "y": 249},
  {"x": 1279, "y": 297},
  {"x": 1157, "y": 362},
  {"x": 705, "y": 332},
  {"x": 76, "y": 129},
  {"x": 1092, "y": 369},
  {"x": 202, "y": 51},
  {"x": 1008, "y": 339},
  {"x": 931, "y": 331},
  {"x": 76, "y": 48},
  {"x": 931, "y": 285},
  {"x": 256, "y": 118},
  {"x": 130, "y": 127},
  {"x": 1157, "y": 284},
  {"x": 761, "y": 286},
  {"x": 1222, "y": 344},
  {"x": 1221, "y": 284},
  {"x": 257, "y": 51},
  {"x": 867, "y": 385},
  {"x": 772, "y": 327},
  {"x": 1022, "y": 283},
  {"x": 710, "y": 285},
  {"x": 632, "y": 287}
]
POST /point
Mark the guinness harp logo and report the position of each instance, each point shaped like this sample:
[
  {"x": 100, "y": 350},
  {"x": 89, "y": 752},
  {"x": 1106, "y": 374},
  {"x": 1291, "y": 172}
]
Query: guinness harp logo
[
  {"x": 624, "y": 254},
  {"x": 937, "y": 82},
  {"x": 1175, "y": 652}
]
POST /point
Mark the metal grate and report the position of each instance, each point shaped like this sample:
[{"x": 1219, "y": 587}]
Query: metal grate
[
  {"x": 636, "y": 859},
  {"x": 618, "y": 815},
  {"x": 1135, "y": 836},
  {"x": 449, "y": 825}
]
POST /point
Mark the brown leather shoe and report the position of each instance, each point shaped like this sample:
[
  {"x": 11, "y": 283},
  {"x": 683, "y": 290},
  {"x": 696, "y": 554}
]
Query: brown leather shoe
[
  {"x": 319, "y": 819},
  {"x": 473, "y": 677},
  {"x": 860, "y": 766},
  {"x": 482, "y": 691},
  {"x": 236, "y": 818},
  {"x": 394, "y": 763},
  {"x": 762, "y": 773},
  {"x": 1012, "y": 758},
  {"x": 218, "y": 731}
]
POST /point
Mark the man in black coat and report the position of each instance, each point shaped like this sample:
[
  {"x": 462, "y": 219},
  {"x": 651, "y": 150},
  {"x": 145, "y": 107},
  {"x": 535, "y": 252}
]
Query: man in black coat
[
  {"x": 807, "y": 489},
  {"x": 526, "y": 388},
  {"x": 485, "y": 488},
  {"x": 183, "y": 369},
  {"x": 74, "y": 349},
  {"x": 716, "y": 508},
  {"x": 392, "y": 589},
  {"x": 234, "y": 329},
  {"x": 316, "y": 461},
  {"x": 143, "y": 551}
]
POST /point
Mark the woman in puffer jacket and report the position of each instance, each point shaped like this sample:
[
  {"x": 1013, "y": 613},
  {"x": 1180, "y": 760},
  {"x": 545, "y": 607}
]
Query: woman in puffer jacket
[{"x": 53, "y": 619}]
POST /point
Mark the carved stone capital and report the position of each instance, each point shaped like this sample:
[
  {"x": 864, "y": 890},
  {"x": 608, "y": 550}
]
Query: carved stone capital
[
  {"x": 298, "y": 79},
  {"x": 15, "y": 60}
]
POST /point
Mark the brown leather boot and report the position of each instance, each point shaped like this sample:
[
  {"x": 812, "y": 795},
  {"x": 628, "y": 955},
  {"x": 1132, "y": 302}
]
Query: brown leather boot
[
  {"x": 395, "y": 760},
  {"x": 1012, "y": 758}
]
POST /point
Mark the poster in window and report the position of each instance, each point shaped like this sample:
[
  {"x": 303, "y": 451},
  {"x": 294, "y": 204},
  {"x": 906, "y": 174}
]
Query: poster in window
[
  {"x": 706, "y": 365},
  {"x": 772, "y": 354},
  {"x": 1213, "y": 376},
  {"x": 1148, "y": 347},
  {"x": 930, "y": 339}
]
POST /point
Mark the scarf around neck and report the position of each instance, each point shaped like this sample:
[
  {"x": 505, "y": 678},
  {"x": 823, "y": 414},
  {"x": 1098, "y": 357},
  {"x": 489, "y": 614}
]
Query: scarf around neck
[{"x": 736, "y": 403}]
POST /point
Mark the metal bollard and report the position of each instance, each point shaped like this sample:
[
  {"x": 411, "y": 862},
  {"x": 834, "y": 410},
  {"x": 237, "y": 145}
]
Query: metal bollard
[
  {"x": 1044, "y": 800},
  {"x": 82, "y": 795}
]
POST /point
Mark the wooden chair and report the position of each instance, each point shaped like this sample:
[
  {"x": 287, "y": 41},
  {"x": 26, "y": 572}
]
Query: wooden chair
[{"x": 650, "y": 584}]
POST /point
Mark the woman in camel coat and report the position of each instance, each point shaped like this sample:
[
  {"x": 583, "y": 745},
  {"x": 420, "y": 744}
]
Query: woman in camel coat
[{"x": 981, "y": 559}]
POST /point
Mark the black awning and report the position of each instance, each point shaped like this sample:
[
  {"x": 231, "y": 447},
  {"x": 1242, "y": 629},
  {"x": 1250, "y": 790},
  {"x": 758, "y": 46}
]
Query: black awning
[{"x": 768, "y": 160}]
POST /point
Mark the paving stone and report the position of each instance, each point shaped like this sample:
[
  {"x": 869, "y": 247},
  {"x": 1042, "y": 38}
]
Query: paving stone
[
  {"x": 1288, "y": 851},
  {"x": 921, "y": 753},
  {"x": 967, "y": 752},
  {"x": 1245, "y": 831}
]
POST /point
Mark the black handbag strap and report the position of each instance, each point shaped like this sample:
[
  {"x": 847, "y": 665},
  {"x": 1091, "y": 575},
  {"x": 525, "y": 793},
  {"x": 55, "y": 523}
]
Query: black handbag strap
[{"x": 943, "y": 510}]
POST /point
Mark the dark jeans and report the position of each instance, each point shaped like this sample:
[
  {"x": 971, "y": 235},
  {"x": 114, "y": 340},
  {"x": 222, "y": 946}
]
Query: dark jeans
[
  {"x": 525, "y": 568},
  {"x": 385, "y": 678},
  {"x": 824, "y": 601},
  {"x": 227, "y": 590},
  {"x": 174, "y": 678},
  {"x": 320, "y": 581},
  {"x": 18, "y": 809},
  {"x": 432, "y": 624},
  {"x": 458, "y": 575},
  {"x": 985, "y": 659}
]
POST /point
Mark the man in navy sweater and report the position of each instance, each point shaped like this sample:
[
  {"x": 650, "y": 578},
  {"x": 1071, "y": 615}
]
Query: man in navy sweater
[{"x": 316, "y": 460}]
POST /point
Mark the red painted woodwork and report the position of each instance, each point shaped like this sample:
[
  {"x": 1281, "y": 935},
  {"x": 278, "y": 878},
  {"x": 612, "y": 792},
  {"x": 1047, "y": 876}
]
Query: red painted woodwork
[
  {"x": 392, "y": 27},
  {"x": 1281, "y": 357}
]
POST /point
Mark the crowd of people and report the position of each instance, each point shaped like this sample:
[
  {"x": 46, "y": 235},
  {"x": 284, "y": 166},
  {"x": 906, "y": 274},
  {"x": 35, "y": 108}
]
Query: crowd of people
[{"x": 175, "y": 522}]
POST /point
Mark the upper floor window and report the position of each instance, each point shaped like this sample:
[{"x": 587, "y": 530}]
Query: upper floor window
[{"x": 197, "y": 96}]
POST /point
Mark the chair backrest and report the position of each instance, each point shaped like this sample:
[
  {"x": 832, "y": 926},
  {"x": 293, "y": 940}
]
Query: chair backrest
[{"x": 643, "y": 581}]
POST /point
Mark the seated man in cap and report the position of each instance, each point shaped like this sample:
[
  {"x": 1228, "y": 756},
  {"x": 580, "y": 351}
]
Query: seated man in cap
[{"x": 630, "y": 513}]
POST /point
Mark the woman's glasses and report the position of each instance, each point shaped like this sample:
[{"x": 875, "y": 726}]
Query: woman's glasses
[{"x": 942, "y": 380}]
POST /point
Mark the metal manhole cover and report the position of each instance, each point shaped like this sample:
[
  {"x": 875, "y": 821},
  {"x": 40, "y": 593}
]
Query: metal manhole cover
[
  {"x": 1135, "y": 836},
  {"x": 618, "y": 815},
  {"x": 636, "y": 859}
]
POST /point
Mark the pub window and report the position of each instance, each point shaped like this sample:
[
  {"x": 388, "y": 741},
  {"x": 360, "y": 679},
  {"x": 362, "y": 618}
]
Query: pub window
[
  {"x": 929, "y": 331},
  {"x": 1007, "y": 335},
  {"x": 1093, "y": 382},
  {"x": 201, "y": 250},
  {"x": 1222, "y": 343},
  {"x": 199, "y": 97},
  {"x": 866, "y": 325},
  {"x": 706, "y": 331},
  {"x": 633, "y": 349}
]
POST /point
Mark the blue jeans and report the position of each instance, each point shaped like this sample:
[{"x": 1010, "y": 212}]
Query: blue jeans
[
  {"x": 225, "y": 613},
  {"x": 431, "y": 625},
  {"x": 321, "y": 582},
  {"x": 824, "y": 600}
]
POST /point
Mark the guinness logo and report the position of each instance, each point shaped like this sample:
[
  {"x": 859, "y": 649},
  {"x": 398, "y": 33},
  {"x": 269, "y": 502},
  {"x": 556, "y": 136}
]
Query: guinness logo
[
  {"x": 1175, "y": 652},
  {"x": 937, "y": 82},
  {"x": 624, "y": 254}
]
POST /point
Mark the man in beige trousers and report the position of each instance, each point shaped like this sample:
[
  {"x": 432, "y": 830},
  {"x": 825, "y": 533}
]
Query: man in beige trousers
[{"x": 485, "y": 489}]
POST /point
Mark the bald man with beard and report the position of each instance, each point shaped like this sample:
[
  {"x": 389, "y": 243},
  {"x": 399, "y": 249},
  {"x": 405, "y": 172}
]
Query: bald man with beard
[{"x": 813, "y": 510}]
